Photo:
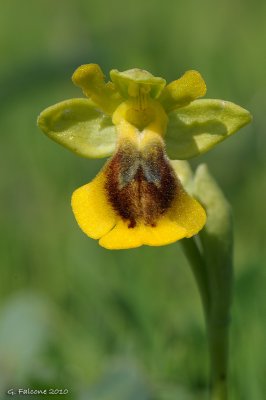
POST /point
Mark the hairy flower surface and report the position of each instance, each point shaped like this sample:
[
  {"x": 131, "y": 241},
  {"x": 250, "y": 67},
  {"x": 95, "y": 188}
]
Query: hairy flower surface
[{"x": 137, "y": 198}]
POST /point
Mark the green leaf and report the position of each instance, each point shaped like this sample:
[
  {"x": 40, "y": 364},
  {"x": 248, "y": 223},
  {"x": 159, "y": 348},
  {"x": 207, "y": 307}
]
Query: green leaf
[
  {"x": 79, "y": 126},
  {"x": 201, "y": 125}
]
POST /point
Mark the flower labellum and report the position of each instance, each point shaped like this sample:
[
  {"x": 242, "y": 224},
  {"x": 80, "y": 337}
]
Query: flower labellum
[{"x": 137, "y": 198}]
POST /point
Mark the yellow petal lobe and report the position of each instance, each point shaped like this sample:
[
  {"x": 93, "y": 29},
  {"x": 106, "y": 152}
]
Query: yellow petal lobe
[
  {"x": 122, "y": 237},
  {"x": 188, "y": 213},
  {"x": 92, "y": 211}
]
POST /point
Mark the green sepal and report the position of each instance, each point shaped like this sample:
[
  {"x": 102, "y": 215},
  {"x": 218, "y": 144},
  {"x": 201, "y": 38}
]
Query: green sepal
[
  {"x": 77, "y": 125},
  {"x": 201, "y": 125},
  {"x": 129, "y": 83}
]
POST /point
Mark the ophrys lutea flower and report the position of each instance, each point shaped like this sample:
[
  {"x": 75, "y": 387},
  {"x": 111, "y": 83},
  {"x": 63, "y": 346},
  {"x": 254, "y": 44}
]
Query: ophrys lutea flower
[{"x": 139, "y": 121}]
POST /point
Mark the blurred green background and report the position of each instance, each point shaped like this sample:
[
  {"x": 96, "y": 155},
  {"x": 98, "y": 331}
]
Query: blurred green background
[{"x": 122, "y": 325}]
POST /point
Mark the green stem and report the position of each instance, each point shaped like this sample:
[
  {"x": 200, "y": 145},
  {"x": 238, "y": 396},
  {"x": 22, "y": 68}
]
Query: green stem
[
  {"x": 218, "y": 258},
  {"x": 216, "y": 261},
  {"x": 216, "y": 307},
  {"x": 198, "y": 266},
  {"x": 218, "y": 338}
]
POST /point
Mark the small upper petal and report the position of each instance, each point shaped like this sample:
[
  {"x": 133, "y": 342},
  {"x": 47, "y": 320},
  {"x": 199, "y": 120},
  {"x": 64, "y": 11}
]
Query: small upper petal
[
  {"x": 183, "y": 90},
  {"x": 91, "y": 80}
]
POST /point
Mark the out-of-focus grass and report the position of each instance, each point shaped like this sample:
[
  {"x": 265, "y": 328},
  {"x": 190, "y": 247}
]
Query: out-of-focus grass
[{"x": 122, "y": 325}]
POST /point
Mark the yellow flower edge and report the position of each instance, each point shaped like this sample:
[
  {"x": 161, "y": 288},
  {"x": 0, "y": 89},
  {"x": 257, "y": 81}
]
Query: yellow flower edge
[
  {"x": 98, "y": 220},
  {"x": 92, "y": 210}
]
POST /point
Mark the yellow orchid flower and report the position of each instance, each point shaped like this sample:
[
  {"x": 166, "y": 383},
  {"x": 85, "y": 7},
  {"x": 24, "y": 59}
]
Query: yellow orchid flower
[{"x": 137, "y": 198}]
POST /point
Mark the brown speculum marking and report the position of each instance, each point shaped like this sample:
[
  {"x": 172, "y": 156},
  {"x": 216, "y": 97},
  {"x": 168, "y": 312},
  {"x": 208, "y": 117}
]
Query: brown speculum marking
[{"x": 141, "y": 186}]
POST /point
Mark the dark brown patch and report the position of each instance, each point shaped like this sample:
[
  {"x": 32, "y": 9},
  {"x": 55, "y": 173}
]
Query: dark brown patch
[{"x": 140, "y": 185}]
